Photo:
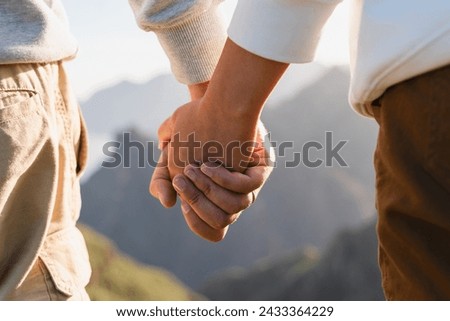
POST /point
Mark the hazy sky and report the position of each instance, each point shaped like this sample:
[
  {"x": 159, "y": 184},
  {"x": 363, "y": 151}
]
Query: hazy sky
[{"x": 112, "y": 48}]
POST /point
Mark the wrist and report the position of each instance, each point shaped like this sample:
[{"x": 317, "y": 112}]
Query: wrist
[
  {"x": 241, "y": 83},
  {"x": 226, "y": 109},
  {"x": 197, "y": 91},
  {"x": 228, "y": 126}
]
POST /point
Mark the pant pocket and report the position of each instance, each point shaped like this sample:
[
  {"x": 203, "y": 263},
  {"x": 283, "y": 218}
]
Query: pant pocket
[{"x": 23, "y": 125}]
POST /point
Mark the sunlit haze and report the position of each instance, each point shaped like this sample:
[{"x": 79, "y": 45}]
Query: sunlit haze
[{"x": 112, "y": 48}]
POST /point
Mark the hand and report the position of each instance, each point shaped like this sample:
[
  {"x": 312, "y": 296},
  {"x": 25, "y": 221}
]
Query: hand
[
  {"x": 227, "y": 114},
  {"x": 198, "y": 132},
  {"x": 161, "y": 185},
  {"x": 213, "y": 197}
]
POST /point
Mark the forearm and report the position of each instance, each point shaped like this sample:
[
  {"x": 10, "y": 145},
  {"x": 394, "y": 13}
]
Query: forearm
[{"x": 241, "y": 84}]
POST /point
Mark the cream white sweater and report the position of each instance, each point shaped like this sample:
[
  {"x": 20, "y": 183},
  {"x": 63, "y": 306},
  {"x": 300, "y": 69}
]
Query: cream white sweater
[
  {"x": 391, "y": 40},
  {"x": 190, "y": 31},
  {"x": 34, "y": 31}
]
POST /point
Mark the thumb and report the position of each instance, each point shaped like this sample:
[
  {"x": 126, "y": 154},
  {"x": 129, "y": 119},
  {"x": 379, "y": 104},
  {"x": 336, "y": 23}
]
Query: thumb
[
  {"x": 161, "y": 184},
  {"x": 165, "y": 133}
]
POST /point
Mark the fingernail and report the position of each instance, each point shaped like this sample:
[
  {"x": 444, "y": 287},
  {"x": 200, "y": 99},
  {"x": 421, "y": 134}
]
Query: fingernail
[
  {"x": 206, "y": 170},
  {"x": 162, "y": 199},
  {"x": 179, "y": 183},
  {"x": 190, "y": 172},
  {"x": 158, "y": 196}
]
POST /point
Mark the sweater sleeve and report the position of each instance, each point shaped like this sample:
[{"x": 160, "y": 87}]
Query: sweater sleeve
[
  {"x": 281, "y": 30},
  {"x": 191, "y": 32}
]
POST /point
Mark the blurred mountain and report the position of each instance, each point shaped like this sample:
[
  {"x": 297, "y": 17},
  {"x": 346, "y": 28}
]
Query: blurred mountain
[
  {"x": 267, "y": 279},
  {"x": 143, "y": 106},
  {"x": 127, "y": 104},
  {"x": 116, "y": 277},
  {"x": 298, "y": 206},
  {"x": 347, "y": 271}
]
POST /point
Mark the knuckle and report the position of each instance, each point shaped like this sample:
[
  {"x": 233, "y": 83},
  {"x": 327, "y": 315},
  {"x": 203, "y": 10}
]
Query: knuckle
[
  {"x": 218, "y": 235},
  {"x": 193, "y": 198},
  {"x": 207, "y": 189},
  {"x": 256, "y": 178},
  {"x": 246, "y": 201},
  {"x": 196, "y": 227},
  {"x": 259, "y": 180},
  {"x": 221, "y": 221},
  {"x": 236, "y": 207},
  {"x": 242, "y": 202}
]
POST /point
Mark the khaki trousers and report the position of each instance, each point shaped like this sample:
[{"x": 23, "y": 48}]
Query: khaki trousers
[
  {"x": 412, "y": 163},
  {"x": 42, "y": 155}
]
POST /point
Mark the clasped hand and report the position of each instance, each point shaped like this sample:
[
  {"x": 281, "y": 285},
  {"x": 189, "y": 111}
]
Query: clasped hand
[{"x": 216, "y": 164}]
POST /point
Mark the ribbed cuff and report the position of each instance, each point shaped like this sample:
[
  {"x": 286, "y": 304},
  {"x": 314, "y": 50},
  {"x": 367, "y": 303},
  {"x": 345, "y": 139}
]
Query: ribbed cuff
[
  {"x": 194, "y": 46},
  {"x": 286, "y": 31}
]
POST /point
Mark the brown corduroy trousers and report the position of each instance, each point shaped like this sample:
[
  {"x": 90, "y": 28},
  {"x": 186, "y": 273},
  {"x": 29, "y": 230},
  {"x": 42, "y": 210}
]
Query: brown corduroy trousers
[{"x": 412, "y": 163}]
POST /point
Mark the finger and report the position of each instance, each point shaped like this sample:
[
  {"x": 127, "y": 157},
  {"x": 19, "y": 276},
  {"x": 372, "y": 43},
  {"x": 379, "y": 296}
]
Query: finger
[
  {"x": 264, "y": 152},
  {"x": 252, "y": 179},
  {"x": 262, "y": 156},
  {"x": 262, "y": 173},
  {"x": 161, "y": 184},
  {"x": 205, "y": 209},
  {"x": 230, "y": 202},
  {"x": 199, "y": 227},
  {"x": 165, "y": 133}
]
